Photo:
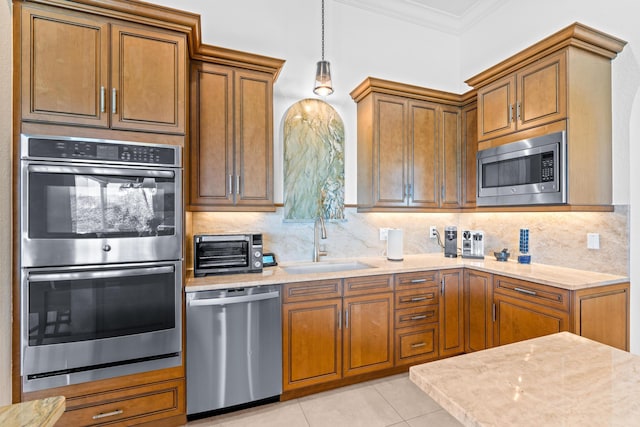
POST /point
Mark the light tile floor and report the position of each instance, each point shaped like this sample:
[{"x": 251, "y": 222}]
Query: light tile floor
[{"x": 392, "y": 401}]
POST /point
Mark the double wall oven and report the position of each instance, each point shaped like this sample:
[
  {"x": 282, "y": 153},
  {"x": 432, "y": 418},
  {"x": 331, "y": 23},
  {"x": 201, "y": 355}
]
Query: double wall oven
[{"x": 101, "y": 259}]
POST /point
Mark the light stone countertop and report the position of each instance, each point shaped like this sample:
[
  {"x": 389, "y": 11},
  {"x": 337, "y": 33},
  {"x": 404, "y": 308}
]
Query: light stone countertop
[
  {"x": 556, "y": 380},
  {"x": 34, "y": 413},
  {"x": 561, "y": 277}
]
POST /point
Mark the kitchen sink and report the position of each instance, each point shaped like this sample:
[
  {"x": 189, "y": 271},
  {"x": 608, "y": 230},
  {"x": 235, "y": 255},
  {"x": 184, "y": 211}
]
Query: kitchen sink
[{"x": 326, "y": 267}]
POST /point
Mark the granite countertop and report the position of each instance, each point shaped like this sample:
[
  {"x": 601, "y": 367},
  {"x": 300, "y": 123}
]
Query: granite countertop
[
  {"x": 556, "y": 380},
  {"x": 561, "y": 277},
  {"x": 34, "y": 413}
]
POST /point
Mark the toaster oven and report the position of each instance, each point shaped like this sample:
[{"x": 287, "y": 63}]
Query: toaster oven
[{"x": 227, "y": 253}]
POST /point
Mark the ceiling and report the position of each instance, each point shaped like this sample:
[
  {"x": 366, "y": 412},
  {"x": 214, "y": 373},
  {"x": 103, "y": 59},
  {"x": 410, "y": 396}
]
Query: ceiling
[{"x": 451, "y": 16}]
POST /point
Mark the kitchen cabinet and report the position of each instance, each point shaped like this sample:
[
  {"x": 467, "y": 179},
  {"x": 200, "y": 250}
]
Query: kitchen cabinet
[
  {"x": 526, "y": 310},
  {"x": 417, "y": 318},
  {"x": 478, "y": 310},
  {"x": 328, "y": 336},
  {"x": 86, "y": 70},
  {"x": 532, "y": 96},
  {"x": 409, "y": 147},
  {"x": 562, "y": 83},
  {"x": 231, "y": 145},
  {"x": 469, "y": 151},
  {"x": 451, "y": 312}
]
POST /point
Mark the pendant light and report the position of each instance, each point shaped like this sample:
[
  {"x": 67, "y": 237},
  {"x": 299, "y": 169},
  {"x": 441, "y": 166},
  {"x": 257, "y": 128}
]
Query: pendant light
[{"x": 323, "y": 86}]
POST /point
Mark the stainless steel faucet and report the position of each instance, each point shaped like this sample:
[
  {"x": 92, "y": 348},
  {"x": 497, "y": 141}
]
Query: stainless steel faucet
[{"x": 317, "y": 253}]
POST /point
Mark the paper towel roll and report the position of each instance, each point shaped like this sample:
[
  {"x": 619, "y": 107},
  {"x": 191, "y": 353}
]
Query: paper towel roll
[{"x": 394, "y": 244}]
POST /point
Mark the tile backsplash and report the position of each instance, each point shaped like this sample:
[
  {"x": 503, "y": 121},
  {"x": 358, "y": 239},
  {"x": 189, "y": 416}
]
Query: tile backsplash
[{"x": 556, "y": 238}]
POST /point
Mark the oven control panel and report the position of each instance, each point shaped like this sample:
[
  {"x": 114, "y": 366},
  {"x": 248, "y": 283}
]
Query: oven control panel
[{"x": 101, "y": 151}]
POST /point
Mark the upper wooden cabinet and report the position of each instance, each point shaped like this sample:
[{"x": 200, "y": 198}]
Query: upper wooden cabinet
[
  {"x": 409, "y": 147},
  {"x": 469, "y": 151},
  {"x": 81, "y": 69},
  {"x": 530, "y": 97},
  {"x": 231, "y": 145}
]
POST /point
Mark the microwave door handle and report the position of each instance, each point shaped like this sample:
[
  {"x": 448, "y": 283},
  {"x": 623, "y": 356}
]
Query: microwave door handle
[
  {"x": 88, "y": 170},
  {"x": 231, "y": 300},
  {"x": 84, "y": 275}
]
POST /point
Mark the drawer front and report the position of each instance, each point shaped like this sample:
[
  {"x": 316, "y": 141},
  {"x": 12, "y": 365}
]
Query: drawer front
[
  {"x": 417, "y": 344},
  {"x": 416, "y": 316},
  {"x": 534, "y": 292},
  {"x": 308, "y": 291},
  {"x": 368, "y": 285},
  {"x": 417, "y": 297},
  {"x": 144, "y": 404},
  {"x": 416, "y": 280}
]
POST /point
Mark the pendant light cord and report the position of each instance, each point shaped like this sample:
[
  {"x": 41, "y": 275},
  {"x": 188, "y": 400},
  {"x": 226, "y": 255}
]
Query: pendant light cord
[{"x": 323, "y": 30}]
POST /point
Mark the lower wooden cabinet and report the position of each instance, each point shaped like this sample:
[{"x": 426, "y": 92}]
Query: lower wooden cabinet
[
  {"x": 478, "y": 310},
  {"x": 327, "y": 337},
  {"x": 416, "y": 344},
  {"x": 451, "y": 312}
]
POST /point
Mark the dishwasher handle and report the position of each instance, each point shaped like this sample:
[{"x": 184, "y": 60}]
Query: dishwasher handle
[{"x": 232, "y": 300}]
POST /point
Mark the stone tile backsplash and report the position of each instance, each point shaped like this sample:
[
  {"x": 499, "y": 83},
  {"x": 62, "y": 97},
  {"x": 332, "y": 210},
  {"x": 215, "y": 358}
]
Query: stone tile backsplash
[{"x": 556, "y": 238}]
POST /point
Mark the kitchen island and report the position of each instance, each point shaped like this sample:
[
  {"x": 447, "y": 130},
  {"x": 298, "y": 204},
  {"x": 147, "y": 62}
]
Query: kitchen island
[
  {"x": 556, "y": 380},
  {"x": 34, "y": 413}
]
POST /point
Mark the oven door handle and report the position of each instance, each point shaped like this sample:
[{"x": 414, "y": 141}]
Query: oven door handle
[
  {"x": 232, "y": 300},
  {"x": 90, "y": 170},
  {"x": 84, "y": 275}
]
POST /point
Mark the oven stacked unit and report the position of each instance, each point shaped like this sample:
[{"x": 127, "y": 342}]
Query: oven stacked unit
[{"x": 101, "y": 259}]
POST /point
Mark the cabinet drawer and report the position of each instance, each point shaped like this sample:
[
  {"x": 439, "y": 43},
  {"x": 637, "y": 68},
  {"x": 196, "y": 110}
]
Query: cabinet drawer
[
  {"x": 144, "y": 404},
  {"x": 417, "y": 297},
  {"x": 416, "y": 280},
  {"x": 367, "y": 285},
  {"x": 416, "y": 344},
  {"x": 416, "y": 316},
  {"x": 307, "y": 291},
  {"x": 534, "y": 292}
]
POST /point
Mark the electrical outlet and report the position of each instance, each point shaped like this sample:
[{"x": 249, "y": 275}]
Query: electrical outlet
[
  {"x": 384, "y": 233},
  {"x": 432, "y": 232},
  {"x": 593, "y": 241}
]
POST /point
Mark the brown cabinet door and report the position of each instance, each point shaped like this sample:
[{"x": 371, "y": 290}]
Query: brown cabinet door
[
  {"x": 518, "y": 320},
  {"x": 64, "y": 68},
  {"x": 148, "y": 80},
  {"x": 542, "y": 92},
  {"x": 416, "y": 344},
  {"x": 311, "y": 343},
  {"x": 253, "y": 138},
  {"x": 390, "y": 184},
  {"x": 478, "y": 310},
  {"x": 449, "y": 163},
  {"x": 496, "y": 108},
  {"x": 368, "y": 333},
  {"x": 211, "y": 136},
  {"x": 451, "y": 313},
  {"x": 422, "y": 155},
  {"x": 469, "y": 150}
]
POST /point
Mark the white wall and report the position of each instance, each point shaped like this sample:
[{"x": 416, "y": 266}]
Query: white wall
[{"x": 5, "y": 203}]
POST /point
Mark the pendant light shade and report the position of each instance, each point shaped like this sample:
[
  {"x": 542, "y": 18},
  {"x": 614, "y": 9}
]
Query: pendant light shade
[{"x": 323, "y": 85}]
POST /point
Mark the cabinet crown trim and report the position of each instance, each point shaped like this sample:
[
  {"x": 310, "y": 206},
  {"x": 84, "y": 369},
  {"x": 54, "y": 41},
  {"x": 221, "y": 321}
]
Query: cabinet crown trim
[
  {"x": 577, "y": 35},
  {"x": 373, "y": 84}
]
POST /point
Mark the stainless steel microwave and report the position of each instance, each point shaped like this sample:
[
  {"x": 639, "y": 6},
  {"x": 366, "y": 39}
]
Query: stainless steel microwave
[{"x": 528, "y": 172}]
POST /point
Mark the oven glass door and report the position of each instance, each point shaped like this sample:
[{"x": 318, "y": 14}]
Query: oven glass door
[
  {"x": 87, "y": 215},
  {"x": 78, "y": 319}
]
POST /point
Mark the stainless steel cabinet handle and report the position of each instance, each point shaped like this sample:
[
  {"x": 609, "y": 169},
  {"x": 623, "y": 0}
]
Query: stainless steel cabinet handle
[
  {"x": 113, "y": 100},
  {"x": 418, "y": 280},
  {"x": 419, "y": 317},
  {"x": 518, "y": 110},
  {"x": 418, "y": 345},
  {"x": 108, "y": 414},
  {"x": 442, "y": 286},
  {"x": 346, "y": 319},
  {"x": 237, "y": 184},
  {"x": 525, "y": 291},
  {"x": 191, "y": 302},
  {"x": 409, "y": 192},
  {"x": 230, "y": 184},
  {"x": 416, "y": 299},
  {"x": 493, "y": 312},
  {"x": 339, "y": 319},
  {"x": 102, "y": 95},
  {"x": 510, "y": 113}
]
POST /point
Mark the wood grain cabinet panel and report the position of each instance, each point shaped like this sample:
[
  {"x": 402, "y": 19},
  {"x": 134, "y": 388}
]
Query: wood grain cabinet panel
[
  {"x": 478, "y": 310},
  {"x": 80, "y": 69},
  {"x": 469, "y": 150},
  {"x": 416, "y": 344},
  {"x": 451, "y": 312},
  {"x": 231, "y": 146}
]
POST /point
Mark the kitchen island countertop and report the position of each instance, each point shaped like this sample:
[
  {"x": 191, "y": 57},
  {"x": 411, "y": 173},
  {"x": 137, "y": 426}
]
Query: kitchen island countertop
[
  {"x": 561, "y": 277},
  {"x": 36, "y": 413},
  {"x": 556, "y": 380}
]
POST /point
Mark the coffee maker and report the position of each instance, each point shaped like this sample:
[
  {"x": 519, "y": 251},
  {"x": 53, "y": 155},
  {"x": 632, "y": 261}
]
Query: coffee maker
[{"x": 451, "y": 241}]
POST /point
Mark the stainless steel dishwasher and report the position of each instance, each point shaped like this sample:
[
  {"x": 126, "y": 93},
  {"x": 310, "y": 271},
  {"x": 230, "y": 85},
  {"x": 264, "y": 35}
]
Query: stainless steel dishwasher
[{"x": 234, "y": 347}]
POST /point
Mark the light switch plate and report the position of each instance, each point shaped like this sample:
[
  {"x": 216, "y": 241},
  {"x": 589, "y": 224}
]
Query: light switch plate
[
  {"x": 384, "y": 232},
  {"x": 593, "y": 241}
]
